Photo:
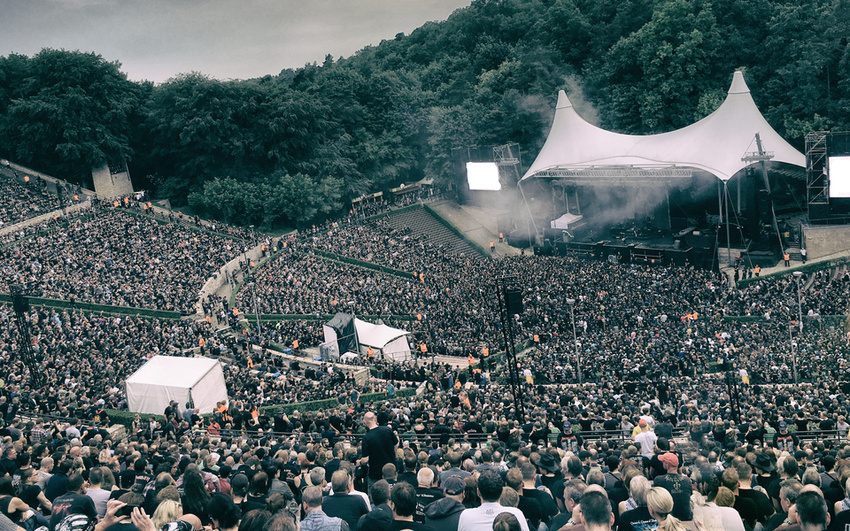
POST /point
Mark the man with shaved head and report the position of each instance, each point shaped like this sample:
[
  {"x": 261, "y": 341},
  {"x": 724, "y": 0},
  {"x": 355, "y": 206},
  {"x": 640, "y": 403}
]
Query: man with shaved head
[{"x": 378, "y": 448}]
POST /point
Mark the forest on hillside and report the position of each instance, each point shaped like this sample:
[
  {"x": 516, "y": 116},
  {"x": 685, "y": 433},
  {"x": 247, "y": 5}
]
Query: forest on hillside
[{"x": 297, "y": 146}]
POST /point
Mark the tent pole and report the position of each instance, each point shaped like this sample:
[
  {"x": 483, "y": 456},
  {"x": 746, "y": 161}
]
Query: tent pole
[
  {"x": 728, "y": 241},
  {"x": 719, "y": 214}
]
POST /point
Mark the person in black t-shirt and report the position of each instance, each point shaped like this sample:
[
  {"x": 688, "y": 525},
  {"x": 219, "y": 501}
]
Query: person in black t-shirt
[{"x": 378, "y": 447}]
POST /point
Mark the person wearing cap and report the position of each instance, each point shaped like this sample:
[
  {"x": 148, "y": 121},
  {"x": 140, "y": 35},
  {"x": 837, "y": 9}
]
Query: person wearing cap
[
  {"x": 570, "y": 441},
  {"x": 679, "y": 486},
  {"x": 785, "y": 441},
  {"x": 646, "y": 439},
  {"x": 444, "y": 513}
]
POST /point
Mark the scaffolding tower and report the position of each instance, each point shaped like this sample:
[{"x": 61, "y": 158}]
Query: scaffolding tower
[{"x": 817, "y": 181}]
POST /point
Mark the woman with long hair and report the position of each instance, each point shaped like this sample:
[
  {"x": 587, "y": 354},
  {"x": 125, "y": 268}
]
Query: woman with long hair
[
  {"x": 195, "y": 496},
  {"x": 660, "y": 505},
  {"x": 31, "y": 493}
]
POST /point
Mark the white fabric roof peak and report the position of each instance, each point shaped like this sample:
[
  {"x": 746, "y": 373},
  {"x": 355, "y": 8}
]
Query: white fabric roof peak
[{"x": 714, "y": 144}]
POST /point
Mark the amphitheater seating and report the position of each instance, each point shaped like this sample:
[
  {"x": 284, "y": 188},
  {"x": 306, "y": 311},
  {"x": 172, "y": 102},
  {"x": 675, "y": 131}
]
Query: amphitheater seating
[{"x": 423, "y": 223}]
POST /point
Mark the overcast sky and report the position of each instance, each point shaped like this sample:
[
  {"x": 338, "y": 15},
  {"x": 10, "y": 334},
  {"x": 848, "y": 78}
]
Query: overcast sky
[{"x": 226, "y": 39}]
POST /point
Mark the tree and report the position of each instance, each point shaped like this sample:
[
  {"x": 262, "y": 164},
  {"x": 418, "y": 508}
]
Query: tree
[
  {"x": 652, "y": 80},
  {"x": 66, "y": 112}
]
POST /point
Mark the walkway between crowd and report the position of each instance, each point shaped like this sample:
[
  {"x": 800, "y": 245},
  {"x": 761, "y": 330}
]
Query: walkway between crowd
[
  {"x": 70, "y": 209},
  {"x": 779, "y": 268}
]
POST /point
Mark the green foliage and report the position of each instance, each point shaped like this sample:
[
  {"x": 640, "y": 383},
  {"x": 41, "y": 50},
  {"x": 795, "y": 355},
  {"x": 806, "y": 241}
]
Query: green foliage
[
  {"x": 317, "y": 405},
  {"x": 64, "y": 112},
  {"x": 276, "y": 199}
]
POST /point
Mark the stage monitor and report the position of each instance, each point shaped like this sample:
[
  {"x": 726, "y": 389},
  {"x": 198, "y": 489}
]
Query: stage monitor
[
  {"x": 483, "y": 176},
  {"x": 839, "y": 177}
]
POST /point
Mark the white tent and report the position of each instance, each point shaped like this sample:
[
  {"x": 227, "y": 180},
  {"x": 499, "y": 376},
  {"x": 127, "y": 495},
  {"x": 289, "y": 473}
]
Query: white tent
[
  {"x": 388, "y": 342},
  {"x": 716, "y": 144},
  {"x": 166, "y": 378}
]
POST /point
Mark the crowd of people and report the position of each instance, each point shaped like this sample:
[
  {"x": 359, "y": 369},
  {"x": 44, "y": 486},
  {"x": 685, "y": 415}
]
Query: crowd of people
[
  {"x": 634, "y": 318},
  {"x": 665, "y": 355},
  {"x": 434, "y": 462},
  {"x": 111, "y": 257},
  {"x": 24, "y": 199}
]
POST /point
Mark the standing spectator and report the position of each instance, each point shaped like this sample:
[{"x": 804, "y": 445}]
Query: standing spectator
[
  {"x": 677, "y": 485},
  {"x": 379, "y": 445},
  {"x": 646, "y": 439}
]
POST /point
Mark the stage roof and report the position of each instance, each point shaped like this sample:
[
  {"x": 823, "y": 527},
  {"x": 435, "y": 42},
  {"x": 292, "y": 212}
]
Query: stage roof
[{"x": 716, "y": 144}]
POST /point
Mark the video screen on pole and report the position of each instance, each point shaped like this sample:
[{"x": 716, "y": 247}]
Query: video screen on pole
[
  {"x": 483, "y": 176},
  {"x": 839, "y": 177}
]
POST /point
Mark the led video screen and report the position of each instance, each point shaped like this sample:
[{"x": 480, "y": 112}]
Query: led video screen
[
  {"x": 839, "y": 177},
  {"x": 483, "y": 176}
]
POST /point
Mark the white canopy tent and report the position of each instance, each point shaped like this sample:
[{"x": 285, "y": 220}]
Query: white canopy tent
[
  {"x": 388, "y": 342},
  {"x": 165, "y": 378},
  {"x": 716, "y": 144}
]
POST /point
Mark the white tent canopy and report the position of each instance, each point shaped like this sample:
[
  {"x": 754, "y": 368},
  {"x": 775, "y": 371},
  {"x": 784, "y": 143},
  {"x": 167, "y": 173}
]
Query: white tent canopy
[
  {"x": 389, "y": 342},
  {"x": 165, "y": 378},
  {"x": 715, "y": 144}
]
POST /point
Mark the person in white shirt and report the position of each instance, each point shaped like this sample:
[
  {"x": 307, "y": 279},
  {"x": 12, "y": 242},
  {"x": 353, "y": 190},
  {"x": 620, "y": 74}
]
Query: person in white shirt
[
  {"x": 646, "y": 439},
  {"x": 481, "y": 518}
]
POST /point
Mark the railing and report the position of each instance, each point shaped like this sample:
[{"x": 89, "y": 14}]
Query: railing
[{"x": 679, "y": 432}]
